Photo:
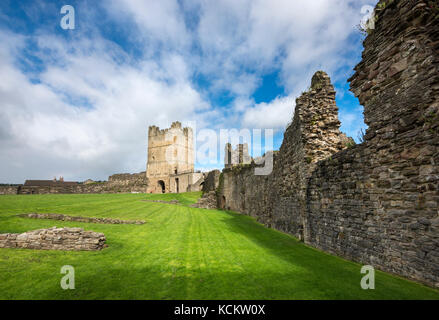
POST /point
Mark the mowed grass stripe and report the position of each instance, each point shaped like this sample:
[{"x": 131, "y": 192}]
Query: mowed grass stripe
[{"x": 180, "y": 253}]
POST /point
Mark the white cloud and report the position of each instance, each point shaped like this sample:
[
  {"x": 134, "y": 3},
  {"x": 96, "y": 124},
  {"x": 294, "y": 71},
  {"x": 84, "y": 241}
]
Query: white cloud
[
  {"x": 158, "y": 21},
  {"x": 87, "y": 115},
  {"x": 241, "y": 40},
  {"x": 103, "y": 136},
  {"x": 274, "y": 114}
]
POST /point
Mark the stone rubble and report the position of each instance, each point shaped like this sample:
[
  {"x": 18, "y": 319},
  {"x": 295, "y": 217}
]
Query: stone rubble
[
  {"x": 69, "y": 239},
  {"x": 207, "y": 201}
]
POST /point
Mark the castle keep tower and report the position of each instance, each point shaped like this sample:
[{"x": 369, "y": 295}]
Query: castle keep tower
[{"x": 170, "y": 166}]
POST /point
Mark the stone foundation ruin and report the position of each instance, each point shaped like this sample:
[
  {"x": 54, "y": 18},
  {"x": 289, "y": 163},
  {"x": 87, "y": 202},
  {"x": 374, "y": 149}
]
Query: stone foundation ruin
[
  {"x": 62, "y": 217},
  {"x": 69, "y": 239}
]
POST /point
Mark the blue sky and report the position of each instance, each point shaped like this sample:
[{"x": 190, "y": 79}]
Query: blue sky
[{"x": 77, "y": 103}]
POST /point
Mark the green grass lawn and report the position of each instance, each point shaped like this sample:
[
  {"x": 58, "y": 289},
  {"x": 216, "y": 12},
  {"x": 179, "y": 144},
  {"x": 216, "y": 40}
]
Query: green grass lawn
[{"x": 180, "y": 253}]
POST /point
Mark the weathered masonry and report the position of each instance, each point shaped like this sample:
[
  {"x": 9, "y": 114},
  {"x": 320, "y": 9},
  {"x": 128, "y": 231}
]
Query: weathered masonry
[
  {"x": 377, "y": 202},
  {"x": 170, "y": 166},
  {"x": 72, "y": 239},
  {"x": 117, "y": 183}
]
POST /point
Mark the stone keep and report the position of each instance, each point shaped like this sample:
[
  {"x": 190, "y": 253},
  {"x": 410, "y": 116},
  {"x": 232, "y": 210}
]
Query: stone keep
[{"x": 170, "y": 164}]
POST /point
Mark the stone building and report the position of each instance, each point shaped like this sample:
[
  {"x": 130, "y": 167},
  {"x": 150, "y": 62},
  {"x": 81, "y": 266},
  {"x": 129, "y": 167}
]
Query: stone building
[
  {"x": 46, "y": 186},
  {"x": 238, "y": 156},
  {"x": 54, "y": 182},
  {"x": 170, "y": 166}
]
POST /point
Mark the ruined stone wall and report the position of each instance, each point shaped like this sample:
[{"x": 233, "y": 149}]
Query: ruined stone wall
[
  {"x": 127, "y": 182},
  {"x": 117, "y": 183},
  {"x": 278, "y": 199},
  {"x": 313, "y": 135},
  {"x": 54, "y": 239},
  {"x": 9, "y": 189},
  {"x": 185, "y": 182},
  {"x": 211, "y": 181},
  {"x": 48, "y": 189},
  {"x": 241, "y": 190},
  {"x": 207, "y": 201},
  {"x": 198, "y": 183},
  {"x": 377, "y": 202}
]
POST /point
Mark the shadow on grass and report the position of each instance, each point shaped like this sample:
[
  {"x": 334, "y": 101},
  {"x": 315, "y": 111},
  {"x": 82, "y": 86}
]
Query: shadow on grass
[
  {"x": 155, "y": 282},
  {"x": 322, "y": 268}
]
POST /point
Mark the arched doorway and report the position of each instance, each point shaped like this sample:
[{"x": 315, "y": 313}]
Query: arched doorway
[
  {"x": 177, "y": 185},
  {"x": 161, "y": 184},
  {"x": 222, "y": 203}
]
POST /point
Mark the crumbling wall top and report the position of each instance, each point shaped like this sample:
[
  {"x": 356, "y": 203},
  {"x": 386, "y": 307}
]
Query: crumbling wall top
[
  {"x": 315, "y": 129},
  {"x": 321, "y": 81},
  {"x": 397, "y": 79}
]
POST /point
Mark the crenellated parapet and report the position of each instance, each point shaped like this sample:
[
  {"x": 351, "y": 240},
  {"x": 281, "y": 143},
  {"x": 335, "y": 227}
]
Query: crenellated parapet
[
  {"x": 170, "y": 166},
  {"x": 175, "y": 126}
]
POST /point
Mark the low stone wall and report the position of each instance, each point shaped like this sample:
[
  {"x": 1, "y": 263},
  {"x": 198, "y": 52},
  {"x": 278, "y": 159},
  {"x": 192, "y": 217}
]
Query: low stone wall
[
  {"x": 97, "y": 187},
  {"x": 174, "y": 201},
  {"x": 69, "y": 239},
  {"x": 127, "y": 182},
  {"x": 55, "y": 216},
  {"x": 117, "y": 183},
  {"x": 211, "y": 181},
  {"x": 8, "y": 189}
]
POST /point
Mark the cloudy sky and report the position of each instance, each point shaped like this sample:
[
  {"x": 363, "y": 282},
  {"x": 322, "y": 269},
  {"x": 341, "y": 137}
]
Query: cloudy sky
[{"x": 78, "y": 103}]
